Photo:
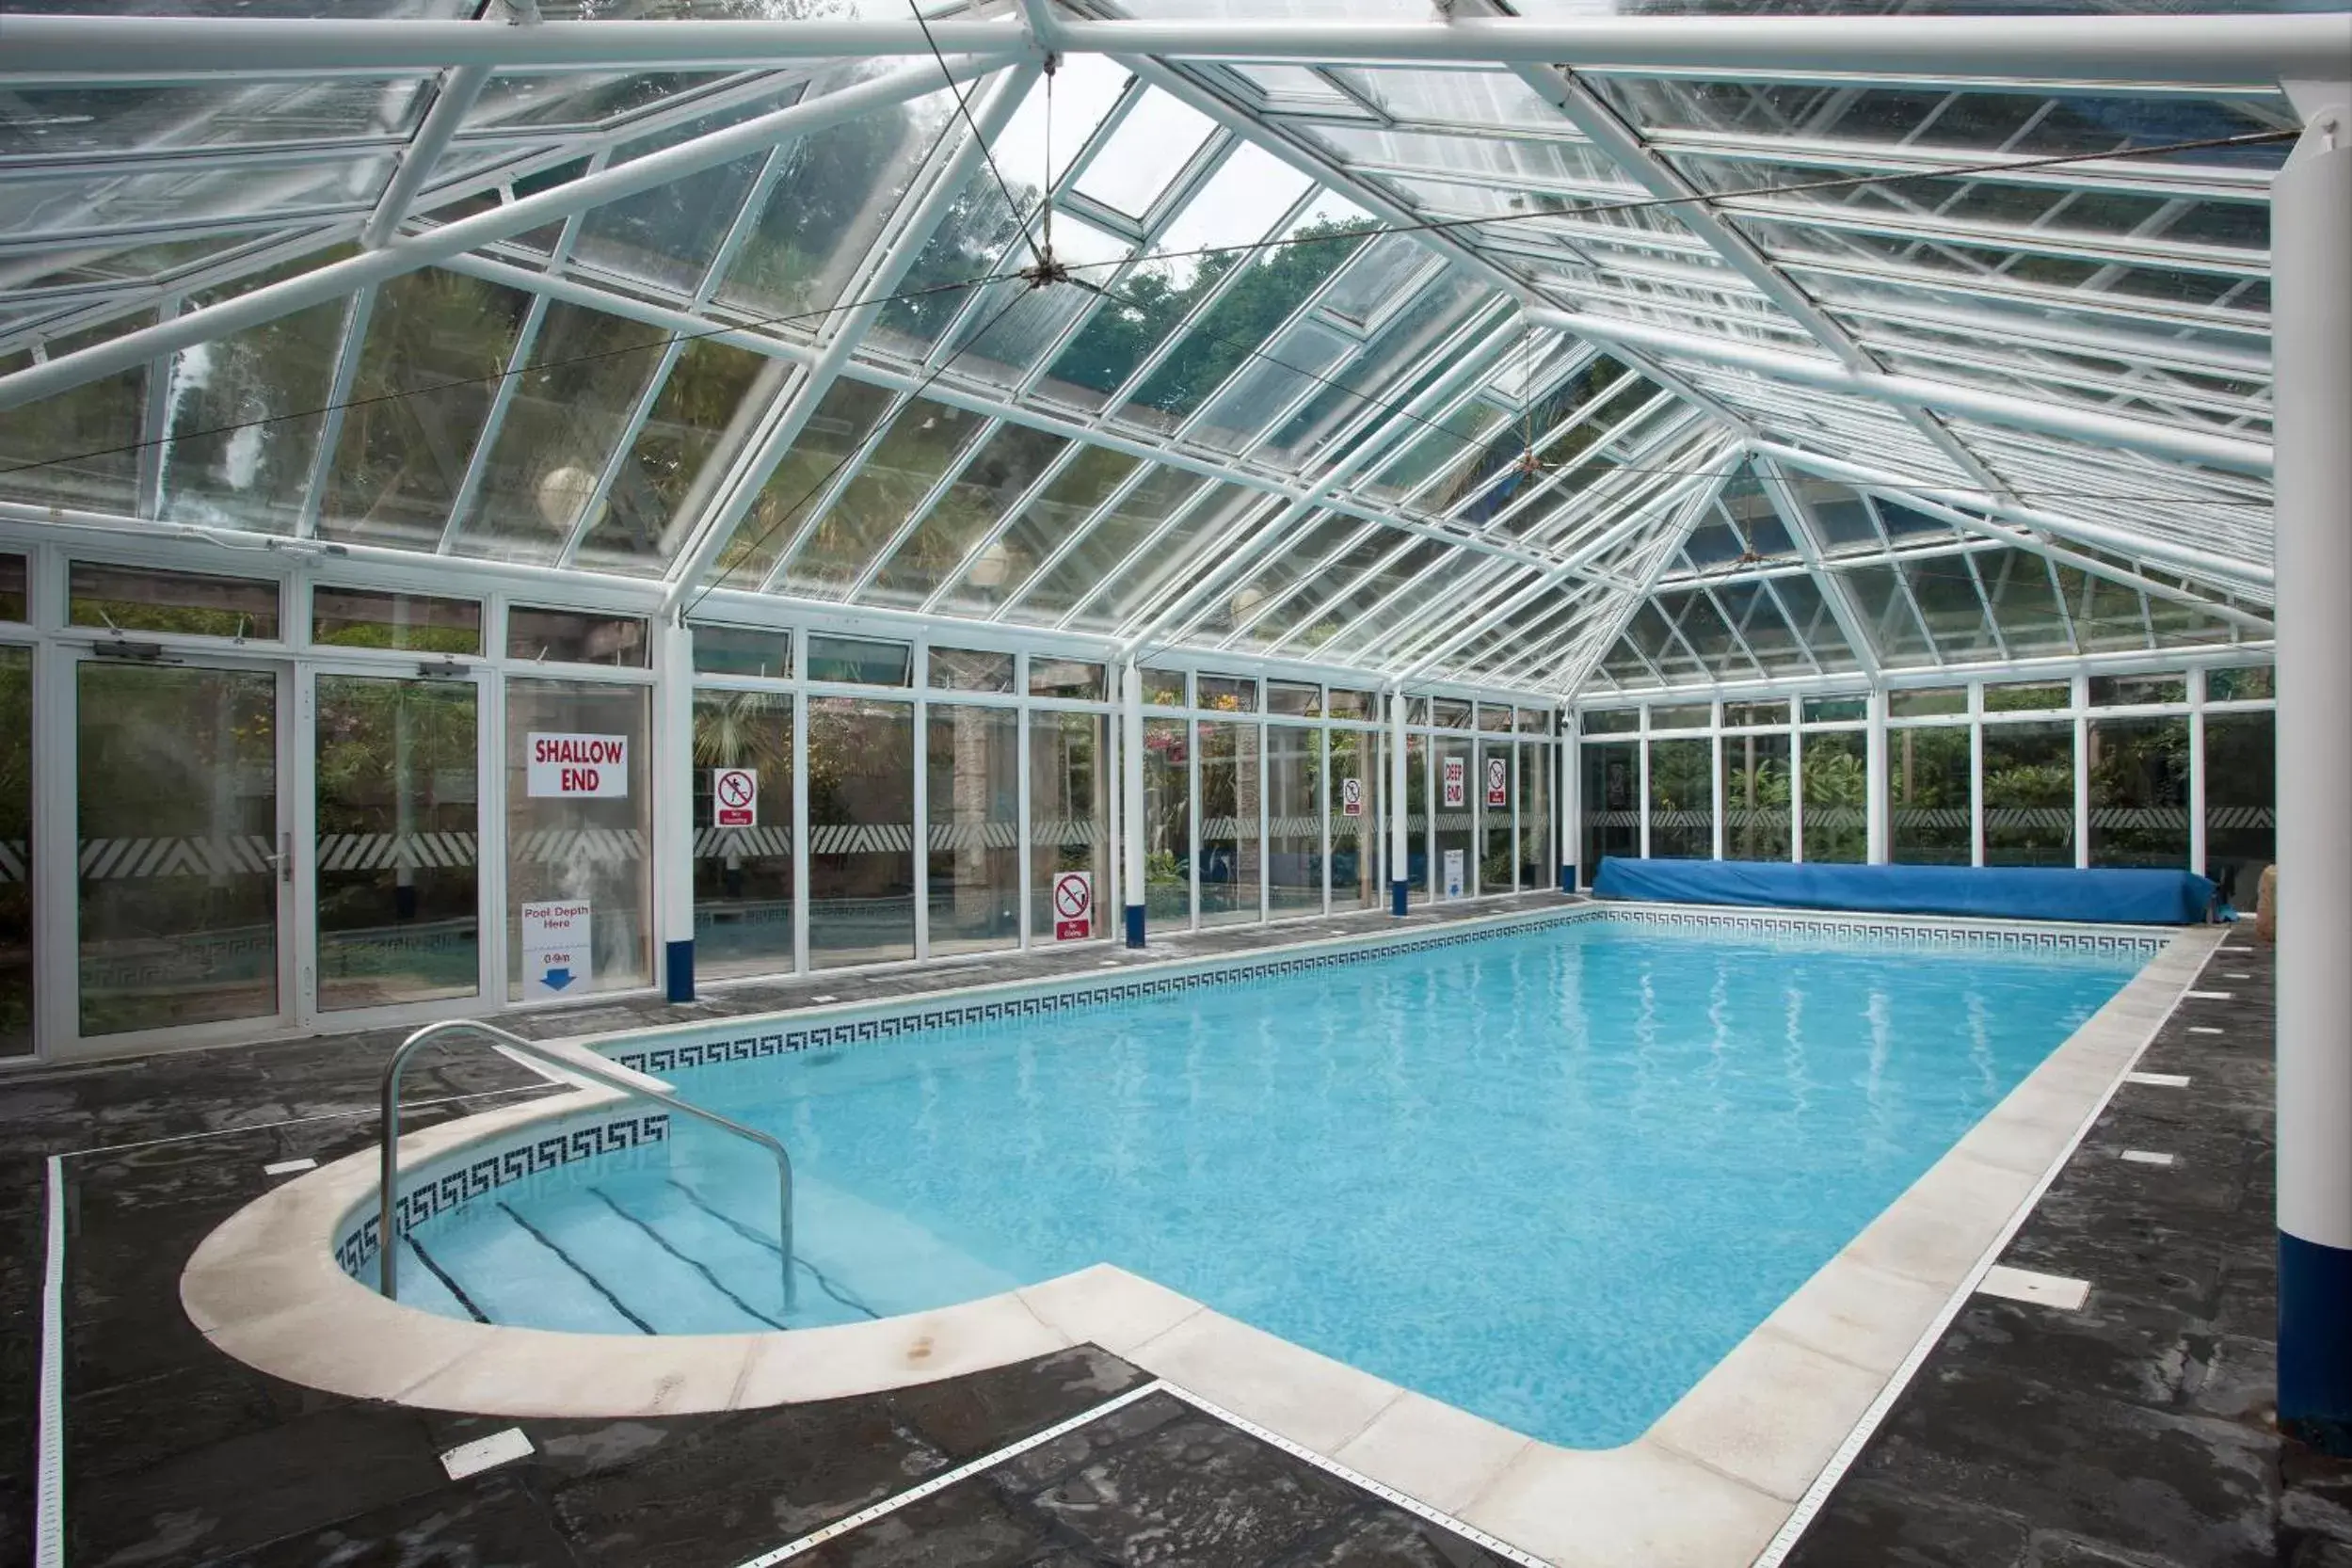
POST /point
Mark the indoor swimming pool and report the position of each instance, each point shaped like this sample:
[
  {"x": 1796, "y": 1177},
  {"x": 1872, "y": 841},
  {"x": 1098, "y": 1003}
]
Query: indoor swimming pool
[{"x": 1549, "y": 1175}]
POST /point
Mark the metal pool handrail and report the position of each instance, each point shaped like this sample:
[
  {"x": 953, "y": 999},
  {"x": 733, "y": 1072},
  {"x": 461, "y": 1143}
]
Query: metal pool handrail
[{"x": 568, "y": 1059}]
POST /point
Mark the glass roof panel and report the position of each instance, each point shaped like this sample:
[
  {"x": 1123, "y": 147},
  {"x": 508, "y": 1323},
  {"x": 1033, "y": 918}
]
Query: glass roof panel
[
  {"x": 241, "y": 427},
  {"x": 702, "y": 416},
  {"x": 1014, "y": 459},
  {"x": 79, "y": 448},
  {"x": 1151, "y": 146},
  {"x": 565, "y": 416},
  {"x": 925, "y": 441},
  {"x": 1059, "y": 587},
  {"x": 1042, "y": 527},
  {"x": 100, "y": 117},
  {"x": 428, "y": 375},
  {"x": 837, "y": 428}
]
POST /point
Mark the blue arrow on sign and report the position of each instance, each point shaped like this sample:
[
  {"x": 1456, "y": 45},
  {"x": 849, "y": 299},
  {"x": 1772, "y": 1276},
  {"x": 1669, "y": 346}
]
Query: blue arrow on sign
[{"x": 556, "y": 980}]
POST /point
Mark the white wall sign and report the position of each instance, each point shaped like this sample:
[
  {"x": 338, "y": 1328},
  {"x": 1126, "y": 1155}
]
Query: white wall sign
[
  {"x": 1073, "y": 906},
  {"x": 558, "y": 953},
  {"x": 1454, "y": 873},
  {"x": 1457, "y": 780},
  {"x": 580, "y": 766},
  {"x": 734, "y": 796},
  {"x": 1352, "y": 797}
]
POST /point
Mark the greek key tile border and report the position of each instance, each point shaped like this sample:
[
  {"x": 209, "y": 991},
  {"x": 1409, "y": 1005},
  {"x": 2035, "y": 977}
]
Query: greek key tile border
[
  {"x": 1925, "y": 931},
  {"x": 913, "y": 1018},
  {"x": 479, "y": 1172}
]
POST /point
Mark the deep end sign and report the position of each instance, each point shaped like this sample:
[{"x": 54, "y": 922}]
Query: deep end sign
[{"x": 592, "y": 767}]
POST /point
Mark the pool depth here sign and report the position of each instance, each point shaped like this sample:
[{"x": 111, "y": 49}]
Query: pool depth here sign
[
  {"x": 1073, "y": 906},
  {"x": 582, "y": 767},
  {"x": 558, "y": 957}
]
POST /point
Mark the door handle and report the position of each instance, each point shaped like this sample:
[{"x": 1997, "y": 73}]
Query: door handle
[{"x": 284, "y": 861}]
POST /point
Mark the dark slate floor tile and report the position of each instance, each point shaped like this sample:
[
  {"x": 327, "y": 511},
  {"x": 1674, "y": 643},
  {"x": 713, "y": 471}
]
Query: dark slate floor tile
[
  {"x": 1196, "y": 1491},
  {"x": 1390, "y": 1538},
  {"x": 2090, "y": 1467},
  {"x": 964, "y": 1418},
  {"x": 486, "y": 1523},
  {"x": 964, "y": 1527},
  {"x": 1869, "y": 1523},
  {"x": 211, "y": 1400},
  {"x": 751, "y": 1479},
  {"x": 239, "y": 1495},
  {"x": 2113, "y": 1346}
]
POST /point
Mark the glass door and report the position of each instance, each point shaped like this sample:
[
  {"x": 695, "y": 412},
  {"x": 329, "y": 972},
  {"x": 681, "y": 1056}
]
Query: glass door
[
  {"x": 184, "y": 863},
  {"x": 394, "y": 841}
]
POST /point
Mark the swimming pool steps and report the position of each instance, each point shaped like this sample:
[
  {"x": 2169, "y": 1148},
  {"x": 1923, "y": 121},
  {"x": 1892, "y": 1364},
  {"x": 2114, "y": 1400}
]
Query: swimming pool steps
[{"x": 659, "y": 1262}]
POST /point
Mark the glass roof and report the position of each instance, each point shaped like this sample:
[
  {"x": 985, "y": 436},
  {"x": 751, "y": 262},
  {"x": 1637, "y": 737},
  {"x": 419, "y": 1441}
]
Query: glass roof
[{"x": 1225, "y": 356}]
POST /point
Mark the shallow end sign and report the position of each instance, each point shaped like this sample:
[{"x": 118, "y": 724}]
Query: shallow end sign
[
  {"x": 1073, "y": 906},
  {"x": 581, "y": 767}
]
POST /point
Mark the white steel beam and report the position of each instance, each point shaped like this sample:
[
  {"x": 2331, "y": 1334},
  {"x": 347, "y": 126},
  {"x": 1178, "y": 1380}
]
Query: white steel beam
[
  {"x": 2235, "y": 453},
  {"x": 412, "y": 251},
  {"x": 451, "y": 104},
  {"x": 1613, "y": 625},
  {"x": 2251, "y": 51},
  {"x": 1804, "y": 531}
]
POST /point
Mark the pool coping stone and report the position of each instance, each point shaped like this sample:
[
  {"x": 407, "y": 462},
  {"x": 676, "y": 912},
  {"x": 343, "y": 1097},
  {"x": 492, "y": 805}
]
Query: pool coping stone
[{"x": 1715, "y": 1482}]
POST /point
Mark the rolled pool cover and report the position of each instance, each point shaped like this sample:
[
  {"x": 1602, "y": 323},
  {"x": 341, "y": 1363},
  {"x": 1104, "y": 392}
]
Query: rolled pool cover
[{"x": 2105, "y": 895}]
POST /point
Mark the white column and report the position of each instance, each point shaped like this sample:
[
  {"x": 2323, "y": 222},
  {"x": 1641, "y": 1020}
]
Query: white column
[
  {"x": 672, "y": 779},
  {"x": 2197, "y": 775},
  {"x": 1400, "y": 857},
  {"x": 2312, "y": 352},
  {"x": 1567, "y": 808},
  {"x": 1131, "y": 774},
  {"x": 1797, "y": 785},
  {"x": 1874, "y": 781}
]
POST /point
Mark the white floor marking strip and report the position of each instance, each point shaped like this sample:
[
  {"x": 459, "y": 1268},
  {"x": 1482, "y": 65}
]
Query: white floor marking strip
[
  {"x": 49, "y": 1496},
  {"x": 2148, "y": 1156},
  {"x": 946, "y": 1479},
  {"x": 2025, "y": 1285},
  {"x": 829, "y": 997},
  {"x": 485, "y": 1453},
  {"x": 2237, "y": 974},
  {"x": 2158, "y": 1081},
  {"x": 2211, "y": 996},
  {"x": 1793, "y": 1528},
  {"x": 288, "y": 1167},
  {"x": 2205, "y": 1028}
]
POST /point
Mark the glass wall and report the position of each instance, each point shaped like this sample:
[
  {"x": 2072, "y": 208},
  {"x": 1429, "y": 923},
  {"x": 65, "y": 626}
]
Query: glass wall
[
  {"x": 2241, "y": 761},
  {"x": 398, "y": 898},
  {"x": 16, "y": 836},
  {"x": 1927, "y": 795},
  {"x": 862, "y": 813},
  {"x": 1836, "y": 788},
  {"x": 1294, "y": 820},
  {"x": 2139, "y": 777},
  {"x": 2029, "y": 795},
  {"x": 1229, "y": 861},
  {"x": 1419, "y": 868},
  {"x": 1609, "y": 792},
  {"x": 1539, "y": 867},
  {"x": 1167, "y": 823},
  {"x": 575, "y": 842},
  {"x": 972, "y": 798},
  {"x": 1358, "y": 771},
  {"x": 1069, "y": 812},
  {"x": 1756, "y": 797},
  {"x": 744, "y": 871},
  {"x": 1682, "y": 799}
]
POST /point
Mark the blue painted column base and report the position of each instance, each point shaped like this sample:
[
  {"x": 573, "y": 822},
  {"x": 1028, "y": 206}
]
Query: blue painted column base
[
  {"x": 2315, "y": 1344},
  {"x": 1567, "y": 879},
  {"x": 1135, "y": 925},
  {"x": 1397, "y": 899},
  {"x": 678, "y": 970}
]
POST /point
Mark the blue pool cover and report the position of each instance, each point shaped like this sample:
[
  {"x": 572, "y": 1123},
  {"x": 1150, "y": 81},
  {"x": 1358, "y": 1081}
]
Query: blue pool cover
[{"x": 2107, "y": 895}]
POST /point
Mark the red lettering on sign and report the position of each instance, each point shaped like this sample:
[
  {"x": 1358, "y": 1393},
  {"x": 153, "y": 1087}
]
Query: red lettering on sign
[{"x": 581, "y": 780}]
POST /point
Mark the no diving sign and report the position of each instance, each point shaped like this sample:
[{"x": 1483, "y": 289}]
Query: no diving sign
[
  {"x": 1352, "y": 797},
  {"x": 734, "y": 796},
  {"x": 1499, "y": 781},
  {"x": 1073, "y": 906}
]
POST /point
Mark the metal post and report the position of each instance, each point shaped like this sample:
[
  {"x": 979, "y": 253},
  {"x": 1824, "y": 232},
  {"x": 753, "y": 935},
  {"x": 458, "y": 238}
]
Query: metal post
[
  {"x": 1131, "y": 771},
  {"x": 672, "y": 774},
  {"x": 1874, "y": 781},
  {"x": 1398, "y": 857},
  {"x": 2311, "y": 347}
]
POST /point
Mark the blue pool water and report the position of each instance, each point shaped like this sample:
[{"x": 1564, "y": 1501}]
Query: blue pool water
[{"x": 1550, "y": 1177}]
